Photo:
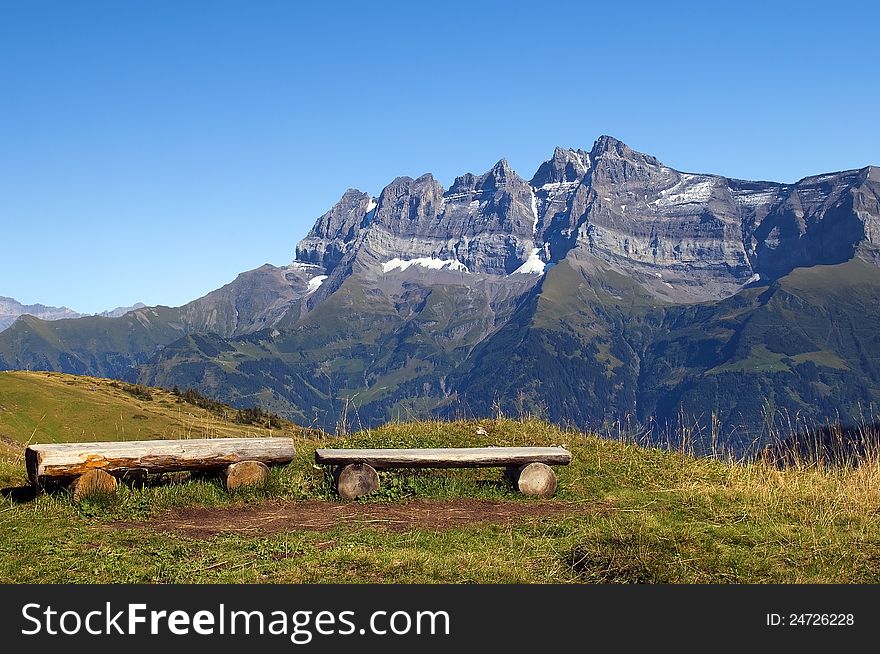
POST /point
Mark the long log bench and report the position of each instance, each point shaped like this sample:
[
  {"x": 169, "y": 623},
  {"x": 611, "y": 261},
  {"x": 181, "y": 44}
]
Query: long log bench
[
  {"x": 527, "y": 467},
  {"x": 92, "y": 467}
]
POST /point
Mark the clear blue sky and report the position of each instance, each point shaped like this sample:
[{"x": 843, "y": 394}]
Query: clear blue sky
[{"x": 151, "y": 150}]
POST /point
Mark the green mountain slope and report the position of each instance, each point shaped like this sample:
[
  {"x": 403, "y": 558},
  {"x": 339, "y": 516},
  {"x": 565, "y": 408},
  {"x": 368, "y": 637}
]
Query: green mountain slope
[
  {"x": 104, "y": 347},
  {"x": 805, "y": 348},
  {"x": 364, "y": 354},
  {"x": 568, "y": 353}
]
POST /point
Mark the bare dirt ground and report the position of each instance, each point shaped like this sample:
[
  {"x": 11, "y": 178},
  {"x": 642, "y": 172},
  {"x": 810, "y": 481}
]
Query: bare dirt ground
[{"x": 316, "y": 515}]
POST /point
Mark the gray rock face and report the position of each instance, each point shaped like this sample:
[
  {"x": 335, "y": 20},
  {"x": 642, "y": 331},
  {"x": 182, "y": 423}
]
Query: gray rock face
[
  {"x": 335, "y": 232},
  {"x": 257, "y": 299},
  {"x": 485, "y": 224},
  {"x": 679, "y": 234},
  {"x": 819, "y": 220},
  {"x": 684, "y": 237},
  {"x": 555, "y": 184}
]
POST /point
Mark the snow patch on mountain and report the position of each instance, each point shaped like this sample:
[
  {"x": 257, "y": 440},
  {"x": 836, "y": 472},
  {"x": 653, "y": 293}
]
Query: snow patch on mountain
[
  {"x": 315, "y": 283},
  {"x": 750, "y": 198},
  {"x": 533, "y": 265},
  {"x": 535, "y": 214},
  {"x": 424, "y": 262},
  {"x": 302, "y": 265},
  {"x": 691, "y": 189}
]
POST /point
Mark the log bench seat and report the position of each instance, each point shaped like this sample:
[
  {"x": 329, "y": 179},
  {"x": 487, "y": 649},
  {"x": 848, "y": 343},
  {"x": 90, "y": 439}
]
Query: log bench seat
[
  {"x": 94, "y": 467},
  {"x": 527, "y": 467}
]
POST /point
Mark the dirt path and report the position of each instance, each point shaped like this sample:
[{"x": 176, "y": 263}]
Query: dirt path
[{"x": 315, "y": 515}]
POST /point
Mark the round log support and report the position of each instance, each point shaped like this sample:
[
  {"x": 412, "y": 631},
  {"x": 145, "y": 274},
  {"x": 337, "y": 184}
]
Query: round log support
[
  {"x": 356, "y": 480},
  {"x": 245, "y": 474},
  {"x": 536, "y": 479},
  {"x": 93, "y": 482}
]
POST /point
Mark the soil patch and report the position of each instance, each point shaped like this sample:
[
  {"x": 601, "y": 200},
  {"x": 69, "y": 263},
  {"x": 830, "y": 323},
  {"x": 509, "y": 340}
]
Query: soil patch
[
  {"x": 315, "y": 515},
  {"x": 12, "y": 444}
]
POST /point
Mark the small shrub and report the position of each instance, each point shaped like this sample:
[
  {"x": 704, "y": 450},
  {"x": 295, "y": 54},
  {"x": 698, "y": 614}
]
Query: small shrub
[{"x": 135, "y": 390}]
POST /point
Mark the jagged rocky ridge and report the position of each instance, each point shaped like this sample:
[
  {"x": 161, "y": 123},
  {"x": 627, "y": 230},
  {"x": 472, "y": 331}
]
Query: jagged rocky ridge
[
  {"x": 685, "y": 237},
  {"x": 608, "y": 286}
]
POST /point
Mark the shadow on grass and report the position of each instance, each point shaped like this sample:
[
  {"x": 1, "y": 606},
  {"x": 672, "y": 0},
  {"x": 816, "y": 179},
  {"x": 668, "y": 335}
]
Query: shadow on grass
[
  {"x": 19, "y": 494},
  {"x": 28, "y": 492},
  {"x": 502, "y": 487}
]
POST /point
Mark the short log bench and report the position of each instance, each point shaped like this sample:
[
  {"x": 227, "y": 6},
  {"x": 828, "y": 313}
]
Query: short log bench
[
  {"x": 94, "y": 467},
  {"x": 527, "y": 467}
]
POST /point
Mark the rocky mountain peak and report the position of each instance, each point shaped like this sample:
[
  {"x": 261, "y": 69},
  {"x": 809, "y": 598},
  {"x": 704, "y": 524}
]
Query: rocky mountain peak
[
  {"x": 409, "y": 206},
  {"x": 608, "y": 148},
  {"x": 463, "y": 184},
  {"x": 605, "y": 144},
  {"x": 334, "y": 232},
  {"x": 343, "y": 216},
  {"x": 564, "y": 166},
  {"x": 498, "y": 177},
  {"x": 401, "y": 186},
  {"x": 616, "y": 164}
]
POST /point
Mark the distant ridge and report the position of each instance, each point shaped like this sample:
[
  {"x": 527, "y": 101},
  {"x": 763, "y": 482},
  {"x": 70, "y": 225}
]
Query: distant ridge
[{"x": 11, "y": 310}]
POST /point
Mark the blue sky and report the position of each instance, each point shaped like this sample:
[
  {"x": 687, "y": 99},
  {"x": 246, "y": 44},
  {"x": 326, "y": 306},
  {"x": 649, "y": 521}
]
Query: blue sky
[{"x": 150, "y": 151}]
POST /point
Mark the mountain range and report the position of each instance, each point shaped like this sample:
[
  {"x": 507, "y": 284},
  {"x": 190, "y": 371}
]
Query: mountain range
[
  {"x": 607, "y": 289},
  {"x": 11, "y": 310}
]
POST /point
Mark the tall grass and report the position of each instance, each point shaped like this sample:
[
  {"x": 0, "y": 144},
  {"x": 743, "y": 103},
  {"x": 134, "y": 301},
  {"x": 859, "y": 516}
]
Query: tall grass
[{"x": 642, "y": 511}]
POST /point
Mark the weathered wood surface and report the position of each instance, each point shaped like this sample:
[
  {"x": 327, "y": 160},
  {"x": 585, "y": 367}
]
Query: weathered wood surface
[
  {"x": 93, "y": 482},
  {"x": 536, "y": 479},
  {"x": 446, "y": 457},
  {"x": 52, "y": 462},
  {"x": 245, "y": 474},
  {"x": 356, "y": 480}
]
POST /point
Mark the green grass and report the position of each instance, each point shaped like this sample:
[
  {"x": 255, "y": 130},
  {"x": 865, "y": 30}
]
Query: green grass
[
  {"x": 657, "y": 517},
  {"x": 760, "y": 359},
  {"x": 822, "y": 358},
  {"x": 47, "y": 407}
]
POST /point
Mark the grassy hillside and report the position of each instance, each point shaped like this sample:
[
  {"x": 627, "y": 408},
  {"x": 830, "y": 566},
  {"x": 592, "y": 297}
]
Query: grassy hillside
[
  {"x": 48, "y": 407},
  {"x": 623, "y": 513}
]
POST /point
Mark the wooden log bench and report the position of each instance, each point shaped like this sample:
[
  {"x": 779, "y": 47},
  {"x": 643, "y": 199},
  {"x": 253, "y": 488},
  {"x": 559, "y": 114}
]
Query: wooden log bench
[
  {"x": 94, "y": 467},
  {"x": 527, "y": 467}
]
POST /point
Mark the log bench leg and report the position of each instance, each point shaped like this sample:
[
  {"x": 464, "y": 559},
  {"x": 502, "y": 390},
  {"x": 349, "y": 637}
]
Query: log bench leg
[
  {"x": 356, "y": 480},
  {"x": 245, "y": 474},
  {"x": 536, "y": 479},
  {"x": 91, "y": 483}
]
